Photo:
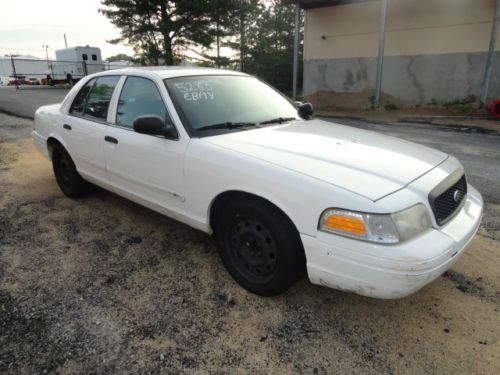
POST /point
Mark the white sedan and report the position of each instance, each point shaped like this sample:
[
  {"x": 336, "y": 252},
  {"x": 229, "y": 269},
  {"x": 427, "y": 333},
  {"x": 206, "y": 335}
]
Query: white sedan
[{"x": 284, "y": 194}]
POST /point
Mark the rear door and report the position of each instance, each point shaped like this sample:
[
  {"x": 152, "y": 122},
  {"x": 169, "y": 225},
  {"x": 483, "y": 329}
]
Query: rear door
[
  {"x": 144, "y": 166},
  {"x": 84, "y": 128}
]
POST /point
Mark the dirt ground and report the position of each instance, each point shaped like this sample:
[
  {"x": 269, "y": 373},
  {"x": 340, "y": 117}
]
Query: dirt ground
[{"x": 103, "y": 286}]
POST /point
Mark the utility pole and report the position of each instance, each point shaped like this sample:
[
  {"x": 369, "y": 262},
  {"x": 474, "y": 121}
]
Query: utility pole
[
  {"x": 380, "y": 57},
  {"x": 489, "y": 58},
  {"x": 46, "y": 53},
  {"x": 49, "y": 65},
  {"x": 296, "y": 52},
  {"x": 14, "y": 71},
  {"x": 65, "y": 42}
]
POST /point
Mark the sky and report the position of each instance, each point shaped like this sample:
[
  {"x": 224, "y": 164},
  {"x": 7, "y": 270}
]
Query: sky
[{"x": 27, "y": 25}]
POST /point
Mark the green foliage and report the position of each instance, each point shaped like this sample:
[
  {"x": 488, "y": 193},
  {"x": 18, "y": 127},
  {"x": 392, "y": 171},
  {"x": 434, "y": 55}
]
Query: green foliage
[
  {"x": 221, "y": 15},
  {"x": 270, "y": 45},
  {"x": 465, "y": 105},
  {"x": 156, "y": 28},
  {"x": 120, "y": 57},
  {"x": 244, "y": 16},
  {"x": 371, "y": 101},
  {"x": 390, "y": 106}
]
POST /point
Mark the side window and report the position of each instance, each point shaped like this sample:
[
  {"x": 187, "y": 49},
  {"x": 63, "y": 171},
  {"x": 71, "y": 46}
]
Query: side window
[
  {"x": 79, "y": 101},
  {"x": 139, "y": 97},
  {"x": 94, "y": 57},
  {"x": 97, "y": 102},
  {"x": 85, "y": 57}
]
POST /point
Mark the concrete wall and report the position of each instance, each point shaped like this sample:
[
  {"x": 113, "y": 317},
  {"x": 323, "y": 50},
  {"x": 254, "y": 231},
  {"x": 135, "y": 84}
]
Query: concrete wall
[
  {"x": 435, "y": 49},
  {"x": 408, "y": 79}
]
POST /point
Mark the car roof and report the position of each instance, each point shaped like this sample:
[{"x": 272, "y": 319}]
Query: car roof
[{"x": 171, "y": 71}]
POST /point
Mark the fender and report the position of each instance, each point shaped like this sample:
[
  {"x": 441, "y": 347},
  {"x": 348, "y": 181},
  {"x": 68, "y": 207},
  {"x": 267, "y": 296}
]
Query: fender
[
  {"x": 60, "y": 139},
  {"x": 252, "y": 191}
]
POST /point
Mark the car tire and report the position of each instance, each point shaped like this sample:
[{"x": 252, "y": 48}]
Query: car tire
[
  {"x": 69, "y": 180},
  {"x": 260, "y": 246}
]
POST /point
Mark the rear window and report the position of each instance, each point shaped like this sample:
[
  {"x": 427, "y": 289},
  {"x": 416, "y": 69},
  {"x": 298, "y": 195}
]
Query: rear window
[
  {"x": 97, "y": 102},
  {"x": 94, "y": 57},
  {"x": 79, "y": 101}
]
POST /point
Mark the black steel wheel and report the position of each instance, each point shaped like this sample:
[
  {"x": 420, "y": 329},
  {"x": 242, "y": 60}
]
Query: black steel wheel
[
  {"x": 69, "y": 180},
  {"x": 260, "y": 246},
  {"x": 252, "y": 249}
]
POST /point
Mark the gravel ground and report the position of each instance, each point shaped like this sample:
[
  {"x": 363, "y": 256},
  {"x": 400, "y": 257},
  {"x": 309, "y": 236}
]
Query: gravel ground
[{"x": 103, "y": 286}]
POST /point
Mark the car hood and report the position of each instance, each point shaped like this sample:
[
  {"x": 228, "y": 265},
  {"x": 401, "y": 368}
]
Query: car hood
[{"x": 361, "y": 161}]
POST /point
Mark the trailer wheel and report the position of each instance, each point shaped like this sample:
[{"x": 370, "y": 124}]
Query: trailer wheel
[{"x": 69, "y": 79}]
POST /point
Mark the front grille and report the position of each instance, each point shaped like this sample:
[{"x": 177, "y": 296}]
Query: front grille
[{"x": 445, "y": 204}]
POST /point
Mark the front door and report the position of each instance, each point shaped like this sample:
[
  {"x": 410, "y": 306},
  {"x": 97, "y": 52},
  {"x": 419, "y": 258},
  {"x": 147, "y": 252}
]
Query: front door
[{"x": 143, "y": 166}]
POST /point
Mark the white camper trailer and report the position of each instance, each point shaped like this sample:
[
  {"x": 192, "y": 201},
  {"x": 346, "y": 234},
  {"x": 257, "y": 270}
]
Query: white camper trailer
[{"x": 75, "y": 62}]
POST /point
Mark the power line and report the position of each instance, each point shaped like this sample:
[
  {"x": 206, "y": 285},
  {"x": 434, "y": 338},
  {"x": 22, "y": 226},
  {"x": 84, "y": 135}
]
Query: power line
[
  {"x": 56, "y": 27},
  {"x": 22, "y": 49}
]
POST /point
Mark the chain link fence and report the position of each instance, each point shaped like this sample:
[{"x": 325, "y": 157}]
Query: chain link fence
[{"x": 30, "y": 73}]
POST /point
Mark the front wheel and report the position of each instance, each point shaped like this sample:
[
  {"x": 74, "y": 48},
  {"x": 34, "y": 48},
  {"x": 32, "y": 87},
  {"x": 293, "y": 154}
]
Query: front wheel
[
  {"x": 260, "y": 247},
  {"x": 69, "y": 180}
]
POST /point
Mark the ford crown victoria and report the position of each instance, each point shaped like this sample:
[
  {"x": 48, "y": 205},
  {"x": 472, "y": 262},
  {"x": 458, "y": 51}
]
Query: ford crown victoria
[{"x": 284, "y": 194}]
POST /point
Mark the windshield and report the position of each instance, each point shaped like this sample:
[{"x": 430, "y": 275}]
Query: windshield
[{"x": 227, "y": 103}]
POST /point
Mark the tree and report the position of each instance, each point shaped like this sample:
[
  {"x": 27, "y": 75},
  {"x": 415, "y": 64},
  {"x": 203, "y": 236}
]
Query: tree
[
  {"x": 260, "y": 32},
  {"x": 158, "y": 29},
  {"x": 243, "y": 16},
  {"x": 220, "y": 14},
  {"x": 120, "y": 57},
  {"x": 221, "y": 21},
  {"x": 270, "y": 45}
]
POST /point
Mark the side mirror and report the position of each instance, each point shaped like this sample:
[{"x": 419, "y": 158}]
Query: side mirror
[
  {"x": 154, "y": 125},
  {"x": 305, "y": 111},
  {"x": 298, "y": 104}
]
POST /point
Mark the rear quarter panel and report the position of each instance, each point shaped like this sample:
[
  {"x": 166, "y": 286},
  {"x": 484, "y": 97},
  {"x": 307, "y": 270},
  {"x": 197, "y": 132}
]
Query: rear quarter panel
[{"x": 48, "y": 124}]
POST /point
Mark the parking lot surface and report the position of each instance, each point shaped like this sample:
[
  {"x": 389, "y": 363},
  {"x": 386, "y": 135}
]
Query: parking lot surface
[
  {"x": 25, "y": 101},
  {"x": 101, "y": 285}
]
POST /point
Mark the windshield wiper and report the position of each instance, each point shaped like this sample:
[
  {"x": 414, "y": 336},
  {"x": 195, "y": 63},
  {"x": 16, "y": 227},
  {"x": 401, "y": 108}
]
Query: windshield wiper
[
  {"x": 228, "y": 125},
  {"x": 277, "y": 120}
]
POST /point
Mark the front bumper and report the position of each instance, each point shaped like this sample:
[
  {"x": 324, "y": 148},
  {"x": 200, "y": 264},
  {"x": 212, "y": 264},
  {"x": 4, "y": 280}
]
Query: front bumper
[{"x": 392, "y": 271}]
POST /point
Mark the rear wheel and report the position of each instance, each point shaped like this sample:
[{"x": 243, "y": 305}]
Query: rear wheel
[
  {"x": 69, "y": 79},
  {"x": 69, "y": 180},
  {"x": 260, "y": 247}
]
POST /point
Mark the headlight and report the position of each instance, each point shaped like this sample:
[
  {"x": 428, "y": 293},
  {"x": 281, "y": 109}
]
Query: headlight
[{"x": 380, "y": 228}]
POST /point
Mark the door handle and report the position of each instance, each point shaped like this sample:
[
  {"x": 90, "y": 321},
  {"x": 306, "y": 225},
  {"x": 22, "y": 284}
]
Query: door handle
[
  {"x": 67, "y": 127},
  {"x": 111, "y": 140}
]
